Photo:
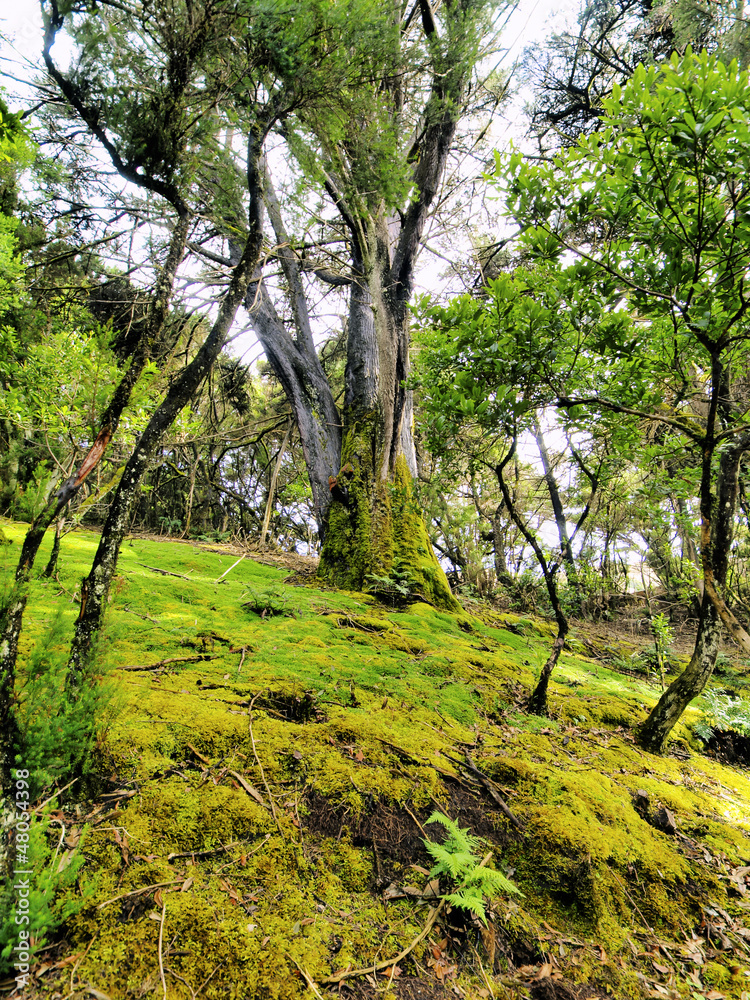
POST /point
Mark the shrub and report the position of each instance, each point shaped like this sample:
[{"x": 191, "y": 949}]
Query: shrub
[{"x": 51, "y": 900}]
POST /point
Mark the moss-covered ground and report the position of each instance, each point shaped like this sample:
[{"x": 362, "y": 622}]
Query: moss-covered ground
[{"x": 257, "y": 824}]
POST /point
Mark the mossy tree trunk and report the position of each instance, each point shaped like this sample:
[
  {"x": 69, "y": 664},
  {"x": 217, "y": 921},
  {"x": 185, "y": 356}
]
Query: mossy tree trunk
[
  {"x": 673, "y": 702},
  {"x": 95, "y": 587},
  {"x": 717, "y": 533},
  {"x": 361, "y": 459},
  {"x": 375, "y": 527}
]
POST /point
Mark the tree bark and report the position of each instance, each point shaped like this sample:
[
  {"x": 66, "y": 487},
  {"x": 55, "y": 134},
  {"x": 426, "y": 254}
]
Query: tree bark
[
  {"x": 655, "y": 731},
  {"x": 566, "y": 549},
  {"x": 717, "y": 532},
  {"x": 272, "y": 485},
  {"x": 51, "y": 568},
  {"x": 298, "y": 369}
]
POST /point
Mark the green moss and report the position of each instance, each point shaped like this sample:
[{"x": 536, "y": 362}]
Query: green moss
[
  {"x": 349, "y": 715},
  {"x": 378, "y": 530},
  {"x": 716, "y": 975}
]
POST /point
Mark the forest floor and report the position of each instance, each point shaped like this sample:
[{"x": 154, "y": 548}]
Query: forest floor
[{"x": 272, "y": 753}]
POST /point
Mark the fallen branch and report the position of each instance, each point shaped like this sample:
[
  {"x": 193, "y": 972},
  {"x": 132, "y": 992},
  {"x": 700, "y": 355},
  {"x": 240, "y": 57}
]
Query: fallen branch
[
  {"x": 172, "y": 659},
  {"x": 166, "y": 572},
  {"x": 488, "y": 784},
  {"x": 146, "y": 618},
  {"x": 230, "y": 568},
  {"x": 309, "y": 980}
]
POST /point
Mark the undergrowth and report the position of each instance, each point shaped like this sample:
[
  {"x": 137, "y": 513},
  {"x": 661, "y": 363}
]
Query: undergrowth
[{"x": 723, "y": 713}]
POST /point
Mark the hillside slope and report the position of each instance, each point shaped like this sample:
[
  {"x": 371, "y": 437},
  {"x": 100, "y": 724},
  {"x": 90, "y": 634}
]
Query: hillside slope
[{"x": 256, "y": 825}]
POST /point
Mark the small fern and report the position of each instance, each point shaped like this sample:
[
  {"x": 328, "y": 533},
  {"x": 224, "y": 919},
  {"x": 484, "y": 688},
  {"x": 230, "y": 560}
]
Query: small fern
[
  {"x": 458, "y": 859},
  {"x": 723, "y": 713}
]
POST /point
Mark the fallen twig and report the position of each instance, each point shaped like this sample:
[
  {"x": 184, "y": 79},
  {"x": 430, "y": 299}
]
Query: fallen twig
[
  {"x": 172, "y": 659},
  {"x": 40, "y": 807},
  {"x": 230, "y": 568},
  {"x": 488, "y": 784},
  {"x": 415, "y": 820},
  {"x": 121, "y": 793},
  {"x": 242, "y": 660},
  {"x": 372, "y": 969},
  {"x": 161, "y": 941},
  {"x": 137, "y": 892},
  {"x": 146, "y": 618},
  {"x": 165, "y": 572},
  {"x": 260, "y": 766},
  {"x": 203, "y": 854},
  {"x": 309, "y": 980},
  {"x": 201, "y": 758},
  {"x": 78, "y": 961}
]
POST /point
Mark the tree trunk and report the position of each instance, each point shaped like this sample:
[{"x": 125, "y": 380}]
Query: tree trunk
[
  {"x": 654, "y": 732},
  {"x": 297, "y": 366},
  {"x": 51, "y": 568},
  {"x": 717, "y": 533},
  {"x": 500, "y": 555},
  {"x": 272, "y": 485},
  {"x": 566, "y": 549},
  {"x": 375, "y": 526},
  {"x": 537, "y": 703},
  {"x": 370, "y": 523},
  {"x": 95, "y": 588}
]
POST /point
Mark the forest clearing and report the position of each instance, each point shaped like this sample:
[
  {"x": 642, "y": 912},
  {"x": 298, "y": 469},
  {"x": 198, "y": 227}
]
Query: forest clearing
[{"x": 254, "y": 819}]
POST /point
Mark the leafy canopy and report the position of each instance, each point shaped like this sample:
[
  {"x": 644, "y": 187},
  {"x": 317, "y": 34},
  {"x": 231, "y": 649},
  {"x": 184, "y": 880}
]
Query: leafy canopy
[{"x": 657, "y": 201}]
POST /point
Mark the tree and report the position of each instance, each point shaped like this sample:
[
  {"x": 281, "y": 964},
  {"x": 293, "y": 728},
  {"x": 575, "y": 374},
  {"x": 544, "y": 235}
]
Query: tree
[
  {"x": 656, "y": 207},
  {"x": 576, "y": 70},
  {"x": 496, "y": 365},
  {"x": 157, "y": 144},
  {"x": 380, "y": 162}
]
